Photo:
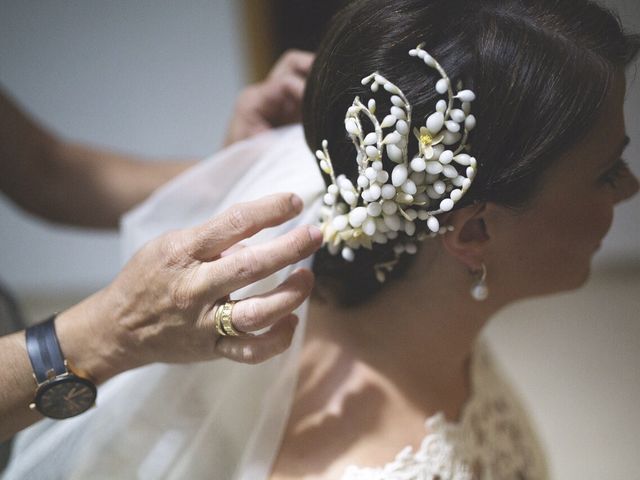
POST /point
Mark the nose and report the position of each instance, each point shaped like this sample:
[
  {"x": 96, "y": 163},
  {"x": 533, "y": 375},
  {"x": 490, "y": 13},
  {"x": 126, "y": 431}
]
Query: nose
[{"x": 628, "y": 188}]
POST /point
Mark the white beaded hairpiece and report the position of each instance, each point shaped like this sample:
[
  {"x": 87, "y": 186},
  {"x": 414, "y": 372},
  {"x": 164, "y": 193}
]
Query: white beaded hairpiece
[{"x": 382, "y": 205}]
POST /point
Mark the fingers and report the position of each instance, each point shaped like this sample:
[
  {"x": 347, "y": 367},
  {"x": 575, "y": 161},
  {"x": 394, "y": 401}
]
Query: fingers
[
  {"x": 251, "y": 264},
  {"x": 261, "y": 311},
  {"x": 256, "y": 349},
  {"x": 234, "y": 248},
  {"x": 293, "y": 61},
  {"x": 281, "y": 100},
  {"x": 274, "y": 102},
  {"x": 290, "y": 73},
  {"x": 289, "y": 88},
  {"x": 237, "y": 223},
  {"x": 294, "y": 88}
]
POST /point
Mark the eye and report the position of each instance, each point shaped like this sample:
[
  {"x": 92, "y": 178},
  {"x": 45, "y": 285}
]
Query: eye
[{"x": 615, "y": 173}]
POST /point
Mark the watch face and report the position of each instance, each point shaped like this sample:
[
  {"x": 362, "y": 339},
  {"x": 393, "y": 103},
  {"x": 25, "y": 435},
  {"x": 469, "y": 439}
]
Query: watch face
[{"x": 65, "y": 397}]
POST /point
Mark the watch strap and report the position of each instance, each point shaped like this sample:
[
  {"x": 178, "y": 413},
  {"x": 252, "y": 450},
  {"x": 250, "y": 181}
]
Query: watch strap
[{"x": 44, "y": 350}]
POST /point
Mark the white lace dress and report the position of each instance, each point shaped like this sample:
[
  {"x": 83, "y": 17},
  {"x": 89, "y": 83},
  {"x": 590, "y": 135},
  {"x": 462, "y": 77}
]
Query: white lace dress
[{"x": 493, "y": 440}]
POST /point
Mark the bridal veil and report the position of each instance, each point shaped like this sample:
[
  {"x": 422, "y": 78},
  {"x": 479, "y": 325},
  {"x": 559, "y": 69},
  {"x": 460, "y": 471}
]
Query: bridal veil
[{"x": 218, "y": 419}]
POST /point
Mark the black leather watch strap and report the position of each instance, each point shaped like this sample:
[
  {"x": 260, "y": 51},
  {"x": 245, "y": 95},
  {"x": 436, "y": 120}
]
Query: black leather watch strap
[{"x": 44, "y": 350}]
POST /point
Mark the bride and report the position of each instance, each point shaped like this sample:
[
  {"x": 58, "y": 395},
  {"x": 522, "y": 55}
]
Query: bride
[{"x": 433, "y": 221}]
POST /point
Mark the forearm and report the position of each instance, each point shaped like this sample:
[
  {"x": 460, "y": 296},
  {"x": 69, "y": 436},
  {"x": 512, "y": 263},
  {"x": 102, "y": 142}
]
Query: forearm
[
  {"x": 16, "y": 386},
  {"x": 90, "y": 187},
  {"x": 23, "y": 143},
  {"x": 71, "y": 183}
]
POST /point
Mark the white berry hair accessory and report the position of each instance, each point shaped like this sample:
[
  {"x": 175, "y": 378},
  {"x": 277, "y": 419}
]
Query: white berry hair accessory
[{"x": 386, "y": 204}]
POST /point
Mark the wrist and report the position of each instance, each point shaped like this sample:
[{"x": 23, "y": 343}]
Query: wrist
[
  {"x": 62, "y": 392},
  {"x": 91, "y": 340}
]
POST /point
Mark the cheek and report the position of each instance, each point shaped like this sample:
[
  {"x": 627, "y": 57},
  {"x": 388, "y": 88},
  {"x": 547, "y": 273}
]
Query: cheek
[
  {"x": 572, "y": 239},
  {"x": 579, "y": 222},
  {"x": 592, "y": 224},
  {"x": 551, "y": 250}
]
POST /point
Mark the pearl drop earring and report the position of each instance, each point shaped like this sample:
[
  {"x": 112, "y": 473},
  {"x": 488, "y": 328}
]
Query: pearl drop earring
[{"x": 479, "y": 289}]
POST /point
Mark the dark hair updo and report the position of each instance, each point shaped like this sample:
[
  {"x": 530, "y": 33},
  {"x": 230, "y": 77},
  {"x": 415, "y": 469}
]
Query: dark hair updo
[{"x": 540, "y": 69}]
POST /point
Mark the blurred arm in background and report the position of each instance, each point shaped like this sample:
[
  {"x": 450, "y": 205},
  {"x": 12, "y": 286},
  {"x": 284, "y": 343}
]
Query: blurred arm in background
[
  {"x": 71, "y": 183},
  {"x": 79, "y": 185}
]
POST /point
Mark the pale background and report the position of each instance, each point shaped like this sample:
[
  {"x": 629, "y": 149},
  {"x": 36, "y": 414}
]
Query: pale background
[{"x": 158, "y": 78}]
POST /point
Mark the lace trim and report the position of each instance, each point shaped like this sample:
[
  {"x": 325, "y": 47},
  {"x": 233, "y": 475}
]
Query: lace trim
[{"x": 492, "y": 440}]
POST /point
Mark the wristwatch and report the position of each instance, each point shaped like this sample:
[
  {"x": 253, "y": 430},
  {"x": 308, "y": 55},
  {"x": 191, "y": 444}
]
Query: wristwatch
[{"x": 60, "y": 392}]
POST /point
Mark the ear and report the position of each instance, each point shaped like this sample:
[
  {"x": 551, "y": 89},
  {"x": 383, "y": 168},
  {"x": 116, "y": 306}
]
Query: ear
[{"x": 469, "y": 238}]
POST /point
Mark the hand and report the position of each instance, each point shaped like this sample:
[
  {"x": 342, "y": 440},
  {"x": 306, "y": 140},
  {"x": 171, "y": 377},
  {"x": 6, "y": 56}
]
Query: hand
[
  {"x": 275, "y": 102},
  {"x": 162, "y": 303}
]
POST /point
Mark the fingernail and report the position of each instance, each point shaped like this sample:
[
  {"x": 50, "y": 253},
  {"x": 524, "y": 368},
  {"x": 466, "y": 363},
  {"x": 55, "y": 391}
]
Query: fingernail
[
  {"x": 296, "y": 202},
  {"x": 315, "y": 234}
]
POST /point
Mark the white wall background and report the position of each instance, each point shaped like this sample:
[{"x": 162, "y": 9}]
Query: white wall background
[{"x": 151, "y": 77}]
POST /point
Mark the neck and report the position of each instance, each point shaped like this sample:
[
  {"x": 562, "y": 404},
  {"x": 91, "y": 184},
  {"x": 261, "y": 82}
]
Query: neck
[{"x": 419, "y": 331}]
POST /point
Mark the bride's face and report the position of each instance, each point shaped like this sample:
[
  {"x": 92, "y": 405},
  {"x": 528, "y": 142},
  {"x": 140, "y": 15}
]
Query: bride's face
[{"x": 548, "y": 247}]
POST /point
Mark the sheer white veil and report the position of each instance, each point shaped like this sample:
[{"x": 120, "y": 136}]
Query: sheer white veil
[{"x": 219, "y": 420}]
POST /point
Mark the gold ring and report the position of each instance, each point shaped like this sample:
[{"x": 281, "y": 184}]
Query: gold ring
[{"x": 222, "y": 320}]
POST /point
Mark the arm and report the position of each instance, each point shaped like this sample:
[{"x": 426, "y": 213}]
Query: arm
[
  {"x": 161, "y": 307},
  {"x": 17, "y": 385},
  {"x": 69, "y": 183}
]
